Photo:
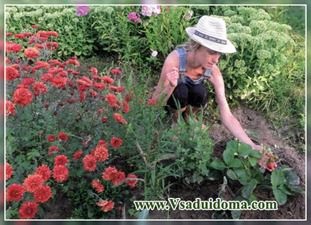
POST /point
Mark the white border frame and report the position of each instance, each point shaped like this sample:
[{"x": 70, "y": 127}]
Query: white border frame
[{"x": 249, "y": 4}]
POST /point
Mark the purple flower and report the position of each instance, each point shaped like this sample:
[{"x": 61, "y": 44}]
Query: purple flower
[
  {"x": 134, "y": 17},
  {"x": 82, "y": 10}
]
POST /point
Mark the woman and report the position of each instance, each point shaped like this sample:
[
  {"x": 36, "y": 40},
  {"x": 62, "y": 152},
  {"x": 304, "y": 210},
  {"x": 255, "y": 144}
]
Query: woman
[{"x": 186, "y": 68}]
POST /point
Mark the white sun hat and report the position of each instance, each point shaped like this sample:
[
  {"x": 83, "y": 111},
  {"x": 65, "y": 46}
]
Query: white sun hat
[{"x": 211, "y": 32}]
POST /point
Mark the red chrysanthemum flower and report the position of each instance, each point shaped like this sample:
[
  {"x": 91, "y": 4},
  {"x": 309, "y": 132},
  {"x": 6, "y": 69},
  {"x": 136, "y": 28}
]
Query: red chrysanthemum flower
[
  {"x": 10, "y": 108},
  {"x": 112, "y": 100},
  {"x": 44, "y": 171},
  {"x": 28, "y": 210},
  {"x": 8, "y": 171},
  {"x": 59, "y": 81},
  {"x": 60, "y": 173},
  {"x": 40, "y": 65},
  {"x": 100, "y": 153},
  {"x": 22, "y": 96},
  {"x": 31, "y": 53},
  {"x": 119, "y": 118},
  {"x": 99, "y": 86},
  {"x": 89, "y": 163},
  {"x": 50, "y": 138},
  {"x": 62, "y": 136},
  {"x": 32, "y": 182},
  {"x": 73, "y": 61},
  {"x": 39, "y": 88},
  {"x": 12, "y": 73},
  {"x": 13, "y": 47},
  {"x": 97, "y": 186},
  {"x": 46, "y": 77},
  {"x": 60, "y": 160},
  {"x": 77, "y": 155},
  {"x": 53, "y": 149},
  {"x": 105, "y": 205},
  {"x": 94, "y": 71},
  {"x": 131, "y": 180},
  {"x": 14, "y": 192},
  {"x": 116, "y": 142},
  {"x": 104, "y": 119},
  {"x": 125, "y": 107},
  {"x": 107, "y": 79},
  {"x": 52, "y": 45},
  {"x": 27, "y": 81},
  {"x": 113, "y": 175},
  {"x": 116, "y": 71},
  {"x": 42, "y": 194}
]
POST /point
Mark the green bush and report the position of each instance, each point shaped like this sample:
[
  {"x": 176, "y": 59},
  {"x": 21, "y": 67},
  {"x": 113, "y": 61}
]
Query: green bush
[{"x": 75, "y": 37}]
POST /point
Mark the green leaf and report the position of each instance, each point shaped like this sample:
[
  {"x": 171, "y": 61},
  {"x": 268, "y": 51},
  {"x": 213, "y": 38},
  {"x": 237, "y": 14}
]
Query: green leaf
[
  {"x": 277, "y": 178},
  {"x": 231, "y": 174},
  {"x": 291, "y": 177},
  {"x": 252, "y": 161},
  {"x": 218, "y": 164},
  {"x": 235, "y": 163},
  {"x": 244, "y": 150},
  {"x": 280, "y": 196},
  {"x": 248, "y": 189}
]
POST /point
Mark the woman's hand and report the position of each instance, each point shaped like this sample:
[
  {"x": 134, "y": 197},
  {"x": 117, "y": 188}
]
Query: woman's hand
[{"x": 172, "y": 77}]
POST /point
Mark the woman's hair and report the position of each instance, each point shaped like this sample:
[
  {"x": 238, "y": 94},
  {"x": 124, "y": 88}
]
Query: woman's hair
[{"x": 190, "y": 45}]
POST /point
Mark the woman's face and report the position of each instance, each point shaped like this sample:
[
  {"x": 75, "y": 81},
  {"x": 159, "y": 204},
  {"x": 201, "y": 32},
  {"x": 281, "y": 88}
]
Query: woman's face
[{"x": 207, "y": 58}]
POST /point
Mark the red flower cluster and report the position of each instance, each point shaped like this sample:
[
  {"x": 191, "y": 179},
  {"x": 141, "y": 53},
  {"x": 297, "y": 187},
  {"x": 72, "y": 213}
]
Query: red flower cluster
[
  {"x": 12, "y": 73},
  {"x": 89, "y": 163},
  {"x": 116, "y": 71},
  {"x": 131, "y": 180},
  {"x": 10, "y": 108},
  {"x": 13, "y": 47},
  {"x": 42, "y": 194},
  {"x": 62, "y": 136},
  {"x": 15, "y": 192},
  {"x": 105, "y": 205},
  {"x": 31, "y": 53},
  {"x": 114, "y": 175},
  {"x": 28, "y": 210},
  {"x": 22, "y": 96},
  {"x": 77, "y": 154},
  {"x": 116, "y": 142},
  {"x": 112, "y": 100},
  {"x": 9, "y": 171},
  {"x": 60, "y": 173},
  {"x": 44, "y": 171},
  {"x": 39, "y": 88},
  {"x": 119, "y": 118},
  {"x": 32, "y": 182},
  {"x": 97, "y": 186},
  {"x": 53, "y": 149},
  {"x": 100, "y": 152},
  {"x": 60, "y": 160}
]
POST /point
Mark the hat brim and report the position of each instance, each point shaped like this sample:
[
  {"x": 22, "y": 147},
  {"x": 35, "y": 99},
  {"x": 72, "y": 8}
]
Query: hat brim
[{"x": 227, "y": 48}]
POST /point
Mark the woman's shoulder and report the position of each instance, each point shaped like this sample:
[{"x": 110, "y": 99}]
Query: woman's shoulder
[{"x": 172, "y": 58}]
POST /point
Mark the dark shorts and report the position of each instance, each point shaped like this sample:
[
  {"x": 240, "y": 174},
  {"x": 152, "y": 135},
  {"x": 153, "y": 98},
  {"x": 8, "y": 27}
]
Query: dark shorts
[{"x": 188, "y": 94}]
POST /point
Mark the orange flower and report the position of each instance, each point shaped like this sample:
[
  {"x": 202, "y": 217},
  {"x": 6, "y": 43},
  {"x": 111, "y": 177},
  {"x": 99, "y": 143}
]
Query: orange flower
[{"x": 105, "y": 205}]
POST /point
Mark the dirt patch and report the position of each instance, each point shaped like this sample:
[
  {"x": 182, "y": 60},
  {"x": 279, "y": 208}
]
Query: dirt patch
[{"x": 257, "y": 127}]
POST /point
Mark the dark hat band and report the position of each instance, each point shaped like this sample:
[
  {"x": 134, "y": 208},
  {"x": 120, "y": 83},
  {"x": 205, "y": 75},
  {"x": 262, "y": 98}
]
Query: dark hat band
[{"x": 210, "y": 38}]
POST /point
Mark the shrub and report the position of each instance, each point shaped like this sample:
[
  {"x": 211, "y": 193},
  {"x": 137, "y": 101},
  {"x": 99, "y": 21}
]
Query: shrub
[{"x": 75, "y": 37}]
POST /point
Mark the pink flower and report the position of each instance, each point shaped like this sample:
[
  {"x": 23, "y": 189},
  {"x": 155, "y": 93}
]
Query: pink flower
[
  {"x": 82, "y": 10},
  {"x": 134, "y": 17}
]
